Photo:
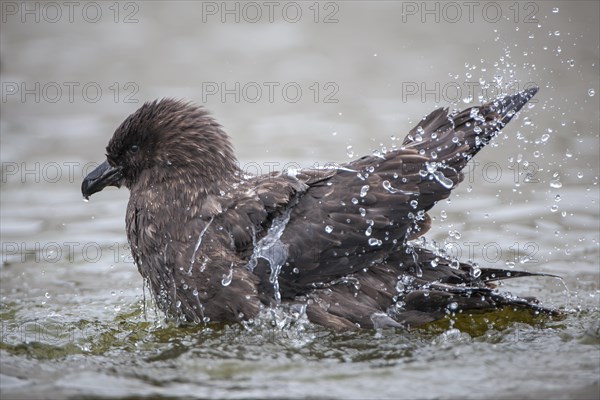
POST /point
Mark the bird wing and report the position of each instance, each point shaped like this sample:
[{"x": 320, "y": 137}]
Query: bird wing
[{"x": 359, "y": 213}]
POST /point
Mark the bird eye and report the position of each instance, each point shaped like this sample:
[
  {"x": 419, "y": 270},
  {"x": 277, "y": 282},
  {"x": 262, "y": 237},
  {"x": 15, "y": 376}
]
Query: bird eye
[{"x": 134, "y": 148}]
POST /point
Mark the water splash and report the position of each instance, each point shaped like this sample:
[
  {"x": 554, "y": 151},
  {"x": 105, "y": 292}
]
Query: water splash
[
  {"x": 433, "y": 169},
  {"x": 226, "y": 281},
  {"x": 198, "y": 243},
  {"x": 388, "y": 186},
  {"x": 273, "y": 250},
  {"x": 336, "y": 166},
  {"x": 442, "y": 180}
]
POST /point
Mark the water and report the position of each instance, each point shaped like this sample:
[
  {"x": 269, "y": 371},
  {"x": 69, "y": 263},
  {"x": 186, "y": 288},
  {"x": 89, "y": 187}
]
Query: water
[{"x": 75, "y": 320}]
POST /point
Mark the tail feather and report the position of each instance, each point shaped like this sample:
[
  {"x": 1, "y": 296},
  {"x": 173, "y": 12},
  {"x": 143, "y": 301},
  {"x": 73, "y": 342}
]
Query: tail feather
[
  {"x": 440, "y": 288},
  {"x": 496, "y": 274},
  {"x": 457, "y": 138}
]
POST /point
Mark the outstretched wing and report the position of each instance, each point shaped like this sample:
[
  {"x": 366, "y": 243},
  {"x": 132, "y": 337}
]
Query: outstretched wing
[{"x": 359, "y": 213}]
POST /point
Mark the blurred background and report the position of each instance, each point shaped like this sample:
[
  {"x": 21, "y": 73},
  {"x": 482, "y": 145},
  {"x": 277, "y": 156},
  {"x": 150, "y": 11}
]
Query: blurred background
[{"x": 303, "y": 83}]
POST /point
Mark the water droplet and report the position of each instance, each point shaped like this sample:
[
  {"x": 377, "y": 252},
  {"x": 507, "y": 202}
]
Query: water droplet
[
  {"x": 557, "y": 198},
  {"x": 364, "y": 190},
  {"x": 375, "y": 242},
  {"x": 510, "y": 264},
  {"x": 434, "y": 263},
  {"x": 368, "y": 231},
  {"x": 296, "y": 270},
  {"x": 443, "y": 215},
  {"x": 557, "y": 33},
  {"x": 453, "y": 306},
  {"x": 349, "y": 151},
  {"x": 571, "y": 62},
  {"x": 354, "y": 200},
  {"x": 591, "y": 92},
  {"x": 377, "y": 153},
  {"x": 47, "y": 295},
  {"x": 414, "y": 203},
  {"x": 433, "y": 155},
  {"x": 580, "y": 175},
  {"x": 454, "y": 264},
  {"x": 441, "y": 178},
  {"x": 554, "y": 208},
  {"x": 329, "y": 229},
  {"x": 555, "y": 10},
  {"x": 545, "y": 137},
  {"x": 362, "y": 211},
  {"x": 556, "y": 184},
  {"x": 475, "y": 271}
]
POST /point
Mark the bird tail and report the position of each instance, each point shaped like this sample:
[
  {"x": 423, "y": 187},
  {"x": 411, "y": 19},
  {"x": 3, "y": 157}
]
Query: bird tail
[
  {"x": 435, "y": 290},
  {"x": 455, "y": 139}
]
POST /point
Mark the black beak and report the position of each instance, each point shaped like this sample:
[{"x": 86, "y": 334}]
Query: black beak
[{"x": 104, "y": 175}]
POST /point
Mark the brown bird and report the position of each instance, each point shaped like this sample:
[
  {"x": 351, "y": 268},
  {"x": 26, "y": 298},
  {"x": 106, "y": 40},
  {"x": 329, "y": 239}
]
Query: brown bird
[{"x": 217, "y": 245}]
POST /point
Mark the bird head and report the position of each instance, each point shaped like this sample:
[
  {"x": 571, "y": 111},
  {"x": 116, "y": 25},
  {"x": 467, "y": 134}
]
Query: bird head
[{"x": 164, "y": 141}]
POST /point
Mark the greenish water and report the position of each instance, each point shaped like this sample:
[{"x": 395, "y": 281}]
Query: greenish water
[
  {"x": 130, "y": 355},
  {"x": 75, "y": 320}
]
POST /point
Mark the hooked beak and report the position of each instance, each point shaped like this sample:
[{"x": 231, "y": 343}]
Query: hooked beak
[{"x": 104, "y": 175}]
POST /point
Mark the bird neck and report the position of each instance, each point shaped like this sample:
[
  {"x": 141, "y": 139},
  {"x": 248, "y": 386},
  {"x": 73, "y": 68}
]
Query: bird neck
[{"x": 183, "y": 196}]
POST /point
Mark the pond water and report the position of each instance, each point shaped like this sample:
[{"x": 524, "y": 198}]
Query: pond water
[{"x": 297, "y": 83}]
